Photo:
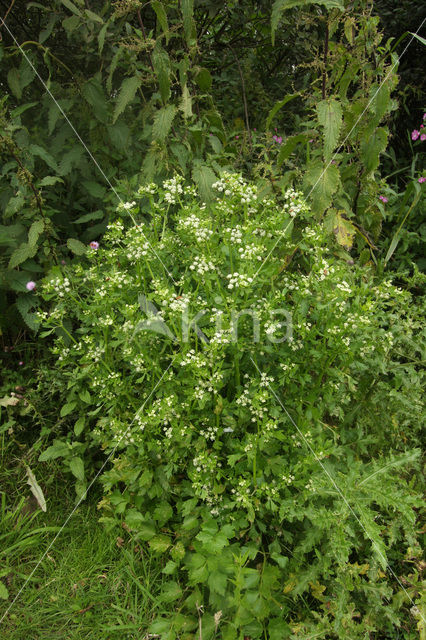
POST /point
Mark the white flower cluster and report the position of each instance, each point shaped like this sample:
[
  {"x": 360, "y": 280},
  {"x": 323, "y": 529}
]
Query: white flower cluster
[
  {"x": 249, "y": 252},
  {"x": 295, "y": 204},
  {"x": 238, "y": 280},
  {"x": 235, "y": 234},
  {"x": 201, "y": 266},
  {"x": 114, "y": 232},
  {"x": 60, "y": 285},
  {"x": 197, "y": 227},
  {"x": 126, "y": 206},
  {"x": 172, "y": 189},
  {"x": 234, "y": 185},
  {"x": 148, "y": 189}
]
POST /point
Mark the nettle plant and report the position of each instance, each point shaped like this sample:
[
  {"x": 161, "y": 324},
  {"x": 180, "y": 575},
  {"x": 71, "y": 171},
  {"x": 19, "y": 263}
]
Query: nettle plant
[{"x": 229, "y": 364}]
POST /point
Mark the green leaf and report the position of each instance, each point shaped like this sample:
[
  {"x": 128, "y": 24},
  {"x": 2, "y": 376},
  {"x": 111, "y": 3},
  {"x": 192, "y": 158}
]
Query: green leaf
[
  {"x": 21, "y": 254},
  {"x": 79, "y": 426},
  {"x": 204, "y": 177},
  {"x": 419, "y": 38},
  {"x": 94, "y": 215},
  {"x": 161, "y": 17},
  {"x": 329, "y": 114},
  {"x": 36, "y": 150},
  {"x": 161, "y": 62},
  {"x": 171, "y": 591},
  {"x": 162, "y": 513},
  {"x": 217, "y": 582},
  {"x": 277, "y": 106},
  {"x": 4, "y": 593},
  {"x": 69, "y": 5},
  {"x": 77, "y": 247},
  {"x": 160, "y": 543},
  {"x": 34, "y": 232},
  {"x": 186, "y": 103},
  {"x": 67, "y": 408},
  {"x": 36, "y": 489},
  {"x": 93, "y": 16},
  {"x": 58, "y": 449},
  {"x": 24, "y": 304},
  {"x": 188, "y": 21},
  {"x": 170, "y": 568},
  {"x": 101, "y": 37},
  {"x": 162, "y": 122},
  {"x": 127, "y": 93},
  {"x": 49, "y": 181},
  {"x": 372, "y": 145},
  {"x": 323, "y": 181},
  {"x": 93, "y": 92},
  {"x": 204, "y": 79},
  {"x": 77, "y": 468},
  {"x": 14, "y": 82},
  {"x": 289, "y": 146}
]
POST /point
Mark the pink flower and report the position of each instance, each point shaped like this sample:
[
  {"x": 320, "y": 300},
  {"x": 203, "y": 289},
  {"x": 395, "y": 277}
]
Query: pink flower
[
  {"x": 279, "y": 140},
  {"x": 424, "y": 116},
  {"x": 30, "y": 285},
  {"x": 422, "y": 179},
  {"x": 423, "y": 137},
  {"x": 383, "y": 199},
  {"x": 20, "y": 363},
  {"x": 236, "y": 137},
  {"x": 94, "y": 245},
  {"x": 415, "y": 134}
]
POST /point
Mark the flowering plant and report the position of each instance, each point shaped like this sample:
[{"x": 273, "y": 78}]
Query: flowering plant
[{"x": 237, "y": 374}]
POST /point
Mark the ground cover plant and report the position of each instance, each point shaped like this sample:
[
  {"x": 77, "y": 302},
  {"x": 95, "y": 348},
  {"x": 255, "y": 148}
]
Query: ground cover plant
[{"x": 260, "y": 399}]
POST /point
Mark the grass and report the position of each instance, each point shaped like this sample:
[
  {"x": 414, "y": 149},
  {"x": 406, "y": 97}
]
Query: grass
[{"x": 91, "y": 584}]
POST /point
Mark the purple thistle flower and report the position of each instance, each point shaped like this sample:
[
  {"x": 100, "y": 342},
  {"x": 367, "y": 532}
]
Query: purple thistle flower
[
  {"x": 30, "y": 286},
  {"x": 415, "y": 134},
  {"x": 94, "y": 245}
]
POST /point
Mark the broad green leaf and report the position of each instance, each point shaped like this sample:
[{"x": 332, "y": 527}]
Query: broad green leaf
[
  {"x": 14, "y": 82},
  {"x": 344, "y": 230},
  {"x": 329, "y": 114},
  {"x": 127, "y": 93},
  {"x": 162, "y": 513},
  {"x": 21, "y": 254},
  {"x": 49, "y": 181},
  {"x": 71, "y": 6},
  {"x": 19, "y": 110},
  {"x": 162, "y": 122},
  {"x": 204, "y": 79},
  {"x": 321, "y": 182},
  {"x": 277, "y": 106},
  {"x": 170, "y": 568},
  {"x": 95, "y": 189},
  {"x": 93, "y": 16},
  {"x": 57, "y": 450},
  {"x": 67, "y": 409},
  {"x": 4, "y": 593},
  {"x": 159, "y": 543},
  {"x": 134, "y": 518},
  {"x": 36, "y": 489},
  {"x": 204, "y": 177},
  {"x": 34, "y": 232},
  {"x": 25, "y": 304},
  {"x": 42, "y": 153},
  {"x": 171, "y": 591},
  {"x": 161, "y": 64},
  {"x": 77, "y": 468},
  {"x": 217, "y": 582},
  {"x": 93, "y": 92},
  {"x": 79, "y": 426},
  {"x": 94, "y": 215},
  {"x": 372, "y": 145},
  {"x": 77, "y": 247},
  {"x": 186, "y": 103}
]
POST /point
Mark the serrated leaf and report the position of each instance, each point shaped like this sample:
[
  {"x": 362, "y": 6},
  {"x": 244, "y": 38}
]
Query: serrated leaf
[
  {"x": 34, "y": 232},
  {"x": 77, "y": 247},
  {"x": 344, "y": 231},
  {"x": 186, "y": 103},
  {"x": 188, "y": 21},
  {"x": 94, "y": 215},
  {"x": 289, "y": 146},
  {"x": 161, "y": 64},
  {"x": 36, "y": 489},
  {"x": 162, "y": 513},
  {"x": 77, "y": 468},
  {"x": 57, "y": 450},
  {"x": 281, "y": 5},
  {"x": 49, "y": 181},
  {"x": 323, "y": 181},
  {"x": 21, "y": 254},
  {"x": 24, "y": 304},
  {"x": 204, "y": 177},
  {"x": 372, "y": 145},
  {"x": 42, "y": 153},
  {"x": 171, "y": 591},
  {"x": 329, "y": 114},
  {"x": 127, "y": 93},
  {"x": 93, "y": 91},
  {"x": 170, "y": 568},
  {"x": 204, "y": 79},
  {"x": 159, "y": 543},
  {"x": 161, "y": 17},
  {"x": 162, "y": 122}
]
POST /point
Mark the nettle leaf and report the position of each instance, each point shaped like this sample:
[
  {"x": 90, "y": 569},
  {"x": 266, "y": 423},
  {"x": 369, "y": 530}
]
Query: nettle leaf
[
  {"x": 163, "y": 122},
  {"x": 14, "y": 82},
  {"x": 372, "y": 145},
  {"x": 24, "y": 304},
  {"x": 188, "y": 21},
  {"x": 329, "y": 114},
  {"x": 36, "y": 150},
  {"x": 36, "y": 489},
  {"x": 172, "y": 591},
  {"x": 204, "y": 177},
  {"x": 323, "y": 180},
  {"x": 128, "y": 89},
  {"x": 34, "y": 232},
  {"x": 204, "y": 79},
  {"x": 344, "y": 230},
  {"x": 21, "y": 254},
  {"x": 161, "y": 64},
  {"x": 93, "y": 92},
  {"x": 186, "y": 103},
  {"x": 161, "y": 14},
  {"x": 77, "y": 247}
]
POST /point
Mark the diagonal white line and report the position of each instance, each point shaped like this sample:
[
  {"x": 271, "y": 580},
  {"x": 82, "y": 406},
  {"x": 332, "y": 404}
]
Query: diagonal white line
[
  {"x": 282, "y": 234},
  {"x": 92, "y": 157},
  {"x": 83, "y": 496},
  {"x": 339, "y": 491}
]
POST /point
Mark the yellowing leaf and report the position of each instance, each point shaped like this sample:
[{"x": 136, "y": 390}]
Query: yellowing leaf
[
  {"x": 344, "y": 231},
  {"x": 36, "y": 489}
]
